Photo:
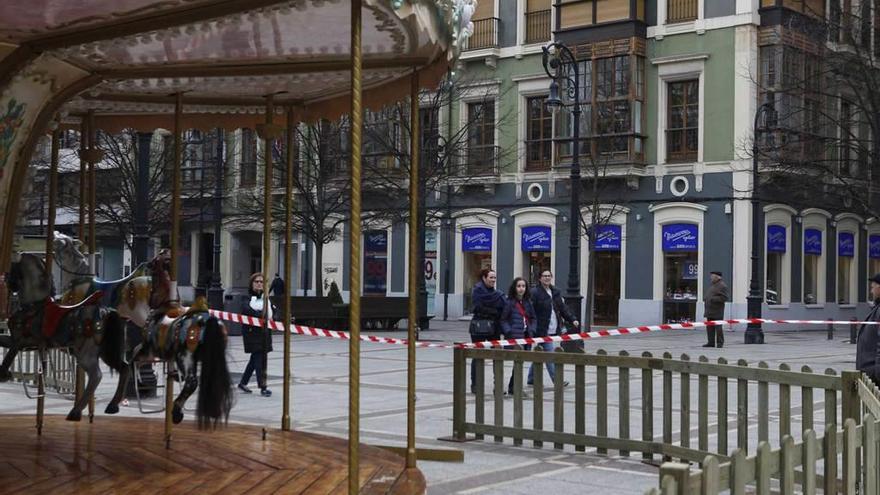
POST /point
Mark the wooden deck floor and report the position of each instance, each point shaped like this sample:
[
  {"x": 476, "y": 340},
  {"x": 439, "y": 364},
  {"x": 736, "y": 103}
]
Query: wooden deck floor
[{"x": 128, "y": 455}]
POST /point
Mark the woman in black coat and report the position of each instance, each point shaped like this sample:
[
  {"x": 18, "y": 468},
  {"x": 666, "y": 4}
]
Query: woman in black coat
[
  {"x": 488, "y": 303},
  {"x": 257, "y": 340}
]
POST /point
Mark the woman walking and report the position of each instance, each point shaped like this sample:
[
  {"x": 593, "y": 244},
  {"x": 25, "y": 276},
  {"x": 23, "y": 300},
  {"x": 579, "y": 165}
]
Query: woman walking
[
  {"x": 518, "y": 319},
  {"x": 257, "y": 340}
]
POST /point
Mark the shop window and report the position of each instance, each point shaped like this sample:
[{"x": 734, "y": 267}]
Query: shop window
[
  {"x": 536, "y": 244},
  {"x": 873, "y": 257},
  {"x": 682, "y": 125},
  {"x": 812, "y": 258},
  {"x": 776, "y": 247},
  {"x": 845, "y": 255},
  {"x": 476, "y": 247},
  {"x": 681, "y": 272},
  {"x": 607, "y": 246},
  {"x": 375, "y": 262}
]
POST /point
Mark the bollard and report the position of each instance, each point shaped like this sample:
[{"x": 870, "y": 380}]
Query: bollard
[
  {"x": 853, "y": 330},
  {"x": 830, "y": 330}
]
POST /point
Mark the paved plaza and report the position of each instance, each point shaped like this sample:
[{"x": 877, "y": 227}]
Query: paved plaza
[{"x": 320, "y": 401}]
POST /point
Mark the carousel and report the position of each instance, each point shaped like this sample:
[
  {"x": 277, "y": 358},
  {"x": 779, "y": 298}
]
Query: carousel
[{"x": 102, "y": 66}]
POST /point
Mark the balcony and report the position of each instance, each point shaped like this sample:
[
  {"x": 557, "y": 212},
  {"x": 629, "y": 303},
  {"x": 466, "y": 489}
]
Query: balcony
[
  {"x": 485, "y": 34},
  {"x": 681, "y": 11},
  {"x": 538, "y": 155},
  {"x": 537, "y": 26},
  {"x": 481, "y": 161}
]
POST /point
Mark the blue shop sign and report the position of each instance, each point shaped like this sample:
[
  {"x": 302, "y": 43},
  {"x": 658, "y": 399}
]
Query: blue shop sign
[
  {"x": 775, "y": 239},
  {"x": 536, "y": 238},
  {"x": 680, "y": 237},
  {"x": 874, "y": 246},
  {"x": 812, "y": 241},
  {"x": 846, "y": 244},
  {"x": 608, "y": 238},
  {"x": 376, "y": 241},
  {"x": 476, "y": 239}
]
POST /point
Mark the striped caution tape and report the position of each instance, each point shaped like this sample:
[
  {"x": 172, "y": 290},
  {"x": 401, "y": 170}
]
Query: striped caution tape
[{"x": 335, "y": 334}]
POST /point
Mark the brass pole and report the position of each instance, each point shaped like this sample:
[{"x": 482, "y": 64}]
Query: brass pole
[
  {"x": 175, "y": 234},
  {"x": 354, "y": 281},
  {"x": 414, "y": 272},
  {"x": 93, "y": 243},
  {"x": 50, "y": 255},
  {"x": 81, "y": 233},
  {"x": 288, "y": 253},
  {"x": 268, "y": 137}
]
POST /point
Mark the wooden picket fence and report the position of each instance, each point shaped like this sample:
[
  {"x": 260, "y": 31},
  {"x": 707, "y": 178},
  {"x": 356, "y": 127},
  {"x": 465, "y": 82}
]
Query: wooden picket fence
[
  {"x": 60, "y": 374},
  {"x": 614, "y": 376},
  {"x": 792, "y": 468}
]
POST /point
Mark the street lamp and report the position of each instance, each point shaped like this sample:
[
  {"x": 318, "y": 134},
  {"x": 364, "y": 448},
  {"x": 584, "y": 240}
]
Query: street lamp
[
  {"x": 561, "y": 65},
  {"x": 754, "y": 332}
]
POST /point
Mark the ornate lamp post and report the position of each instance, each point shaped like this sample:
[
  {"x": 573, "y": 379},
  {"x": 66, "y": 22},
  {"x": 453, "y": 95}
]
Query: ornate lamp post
[
  {"x": 561, "y": 65},
  {"x": 754, "y": 332},
  {"x": 215, "y": 289}
]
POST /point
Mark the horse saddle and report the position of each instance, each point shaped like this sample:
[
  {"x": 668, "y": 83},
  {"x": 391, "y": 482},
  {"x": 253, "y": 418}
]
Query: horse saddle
[{"x": 54, "y": 312}]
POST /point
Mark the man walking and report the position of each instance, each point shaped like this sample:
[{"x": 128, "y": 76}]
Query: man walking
[
  {"x": 550, "y": 310},
  {"x": 716, "y": 297},
  {"x": 868, "y": 340}
]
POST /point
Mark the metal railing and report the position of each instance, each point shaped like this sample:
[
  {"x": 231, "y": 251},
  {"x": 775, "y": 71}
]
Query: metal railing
[
  {"x": 485, "y": 34},
  {"x": 650, "y": 425},
  {"x": 537, "y": 26},
  {"x": 481, "y": 160},
  {"x": 794, "y": 464},
  {"x": 681, "y": 11}
]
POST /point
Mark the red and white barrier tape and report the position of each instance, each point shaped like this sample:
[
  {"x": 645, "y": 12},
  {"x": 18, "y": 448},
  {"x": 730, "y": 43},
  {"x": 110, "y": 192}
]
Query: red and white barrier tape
[{"x": 335, "y": 334}]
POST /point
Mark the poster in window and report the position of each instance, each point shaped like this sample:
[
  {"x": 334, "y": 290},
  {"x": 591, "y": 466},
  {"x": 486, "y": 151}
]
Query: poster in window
[
  {"x": 536, "y": 238},
  {"x": 680, "y": 237},
  {"x": 608, "y": 238},
  {"x": 375, "y": 262},
  {"x": 476, "y": 239},
  {"x": 431, "y": 267}
]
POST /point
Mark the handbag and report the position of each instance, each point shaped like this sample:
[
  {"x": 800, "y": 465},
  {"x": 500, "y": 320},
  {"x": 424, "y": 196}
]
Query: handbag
[{"x": 482, "y": 329}]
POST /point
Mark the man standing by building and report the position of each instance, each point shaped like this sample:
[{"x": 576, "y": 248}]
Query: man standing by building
[
  {"x": 550, "y": 310},
  {"x": 277, "y": 287},
  {"x": 868, "y": 341},
  {"x": 716, "y": 297}
]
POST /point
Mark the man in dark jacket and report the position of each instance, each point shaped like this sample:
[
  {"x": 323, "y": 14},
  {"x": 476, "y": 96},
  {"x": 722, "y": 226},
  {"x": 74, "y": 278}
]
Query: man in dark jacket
[
  {"x": 716, "y": 297},
  {"x": 277, "y": 287},
  {"x": 868, "y": 340},
  {"x": 552, "y": 313}
]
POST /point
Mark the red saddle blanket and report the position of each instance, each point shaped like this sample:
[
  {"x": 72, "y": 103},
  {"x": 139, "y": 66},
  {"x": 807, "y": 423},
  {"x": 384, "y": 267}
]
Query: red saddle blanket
[{"x": 53, "y": 312}]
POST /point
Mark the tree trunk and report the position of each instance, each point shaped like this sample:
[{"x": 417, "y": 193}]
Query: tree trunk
[{"x": 319, "y": 269}]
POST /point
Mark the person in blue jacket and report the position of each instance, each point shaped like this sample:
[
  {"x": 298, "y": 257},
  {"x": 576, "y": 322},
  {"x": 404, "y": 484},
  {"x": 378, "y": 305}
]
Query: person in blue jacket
[
  {"x": 488, "y": 303},
  {"x": 518, "y": 319}
]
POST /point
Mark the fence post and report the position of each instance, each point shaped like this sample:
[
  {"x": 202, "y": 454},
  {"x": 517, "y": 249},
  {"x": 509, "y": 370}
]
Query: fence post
[
  {"x": 680, "y": 473},
  {"x": 850, "y": 395},
  {"x": 830, "y": 330},
  {"x": 853, "y": 330},
  {"x": 459, "y": 387}
]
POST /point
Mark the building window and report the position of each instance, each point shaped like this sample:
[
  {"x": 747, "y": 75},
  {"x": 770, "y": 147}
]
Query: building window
[
  {"x": 481, "y": 153},
  {"x": 683, "y": 105},
  {"x": 248, "y": 166},
  {"x": 681, "y": 11},
  {"x": 485, "y": 30},
  {"x": 776, "y": 248},
  {"x": 576, "y": 13},
  {"x": 873, "y": 258},
  {"x": 681, "y": 271},
  {"x": 812, "y": 266},
  {"x": 845, "y": 265},
  {"x": 539, "y": 134},
  {"x": 537, "y": 21}
]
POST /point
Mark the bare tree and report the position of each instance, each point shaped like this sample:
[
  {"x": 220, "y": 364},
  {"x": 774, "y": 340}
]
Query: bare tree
[{"x": 819, "y": 78}]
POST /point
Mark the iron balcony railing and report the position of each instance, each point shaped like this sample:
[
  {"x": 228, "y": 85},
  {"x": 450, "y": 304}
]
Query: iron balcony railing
[
  {"x": 485, "y": 34},
  {"x": 537, "y": 26},
  {"x": 481, "y": 160}
]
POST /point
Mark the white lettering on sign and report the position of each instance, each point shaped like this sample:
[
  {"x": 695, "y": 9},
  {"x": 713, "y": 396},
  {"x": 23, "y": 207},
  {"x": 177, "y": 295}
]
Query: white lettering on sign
[
  {"x": 680, "y": 236},
  {"x": 540, "y": 236}
]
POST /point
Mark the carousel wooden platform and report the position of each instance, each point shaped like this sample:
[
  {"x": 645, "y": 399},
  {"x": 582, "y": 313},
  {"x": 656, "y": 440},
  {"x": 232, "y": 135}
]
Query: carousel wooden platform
[{"x": 128, "y": 455}]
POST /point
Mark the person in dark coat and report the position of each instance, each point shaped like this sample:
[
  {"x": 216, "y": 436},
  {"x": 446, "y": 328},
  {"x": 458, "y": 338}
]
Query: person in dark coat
[
  {"x": 552, "y": 314},
  {"x": 868, "y": 338},
  {"x": 716, "y": 297},
  {"x": 277, "y": 287},
  {"x": 518, "y": 319},
  {"x": 487, "y": 303},
  {"x": 257, "y": 340}
]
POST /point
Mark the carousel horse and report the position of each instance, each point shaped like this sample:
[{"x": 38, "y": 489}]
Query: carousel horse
[
  {"x": 88, "y": 330},
  {"x": 189, "y": 337}
]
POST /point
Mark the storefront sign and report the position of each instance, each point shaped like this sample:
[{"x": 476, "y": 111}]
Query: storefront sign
[
  {"x": 476, "y": 239},
  {"x": 775, "y": 239},
  {"x": 874, "y": 246},
  {"x": 690, "y": 270},
  {"x": 846, "y": 244},
  {"x": 813, "y": 241},
  {"x": 680, "y": 237},
  {"x": 607, "y": 238},
  {"x": 376, "y": 241},
  {"x": 536, "y": 238},
  {"x": 431, "y": 267}
]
